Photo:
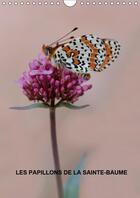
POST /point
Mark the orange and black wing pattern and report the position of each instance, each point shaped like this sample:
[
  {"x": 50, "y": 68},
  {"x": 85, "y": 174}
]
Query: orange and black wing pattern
[{"x": 87, "y": 53}]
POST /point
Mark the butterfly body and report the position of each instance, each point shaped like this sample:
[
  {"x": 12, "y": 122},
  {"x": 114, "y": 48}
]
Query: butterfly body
[{"x": 84, "y": 54}]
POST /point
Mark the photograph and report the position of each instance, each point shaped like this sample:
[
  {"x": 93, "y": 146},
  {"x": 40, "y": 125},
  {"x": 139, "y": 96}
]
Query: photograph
[{"x": 70, "y": 112}]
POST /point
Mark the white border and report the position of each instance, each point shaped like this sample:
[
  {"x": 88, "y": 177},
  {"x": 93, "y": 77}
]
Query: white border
[{"x": 61, "y": 2}]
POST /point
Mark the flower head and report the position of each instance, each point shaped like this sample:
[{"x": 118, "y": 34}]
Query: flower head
[{"x": 44, "y": 82}]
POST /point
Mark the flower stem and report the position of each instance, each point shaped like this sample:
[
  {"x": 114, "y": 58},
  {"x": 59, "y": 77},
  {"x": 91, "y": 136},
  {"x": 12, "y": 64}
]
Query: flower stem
[{"x": 55, "y": 150}]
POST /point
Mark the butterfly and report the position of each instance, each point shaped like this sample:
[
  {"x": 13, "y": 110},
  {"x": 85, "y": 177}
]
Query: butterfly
[{"x": 83, "y": 54}]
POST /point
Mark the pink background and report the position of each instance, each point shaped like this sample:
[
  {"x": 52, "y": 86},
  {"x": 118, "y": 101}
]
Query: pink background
[{"x": 108, "y": 130}]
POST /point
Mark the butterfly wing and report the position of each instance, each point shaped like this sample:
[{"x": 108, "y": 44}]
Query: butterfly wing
[
  {"x": 87, "y": 53},
  {"x": 112, "y": 49}
]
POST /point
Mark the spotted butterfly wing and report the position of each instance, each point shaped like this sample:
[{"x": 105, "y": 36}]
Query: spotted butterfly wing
[{"x": 87, "y": 53}]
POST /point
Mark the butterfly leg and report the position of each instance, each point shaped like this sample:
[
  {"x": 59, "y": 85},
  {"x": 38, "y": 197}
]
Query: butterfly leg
[{"x": 85, "y": 76}]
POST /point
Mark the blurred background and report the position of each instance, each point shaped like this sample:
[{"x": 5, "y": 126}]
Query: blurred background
[{"x": 108, "y": 131}]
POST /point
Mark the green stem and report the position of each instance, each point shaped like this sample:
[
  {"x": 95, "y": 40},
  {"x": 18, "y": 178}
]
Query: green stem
[{"x": 55, "y": 149}]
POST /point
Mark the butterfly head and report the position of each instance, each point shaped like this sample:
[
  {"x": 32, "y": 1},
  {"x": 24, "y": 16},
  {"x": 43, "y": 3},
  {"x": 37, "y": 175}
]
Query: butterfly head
[{"x": 47, "y": 50}]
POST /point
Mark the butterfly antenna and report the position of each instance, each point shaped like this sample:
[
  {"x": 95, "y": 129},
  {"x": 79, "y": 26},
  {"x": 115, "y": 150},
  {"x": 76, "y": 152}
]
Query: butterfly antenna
[
  {"x": 66, "y": 39},
  {"x": 64, "y": 36}
]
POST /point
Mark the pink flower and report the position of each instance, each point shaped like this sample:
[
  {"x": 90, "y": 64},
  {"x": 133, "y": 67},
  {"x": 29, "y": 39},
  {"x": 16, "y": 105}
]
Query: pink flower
[{"x": 44, "y": 82}]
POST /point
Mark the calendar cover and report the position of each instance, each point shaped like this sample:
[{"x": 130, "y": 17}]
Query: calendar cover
[{"x": 70, "y": 113}]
